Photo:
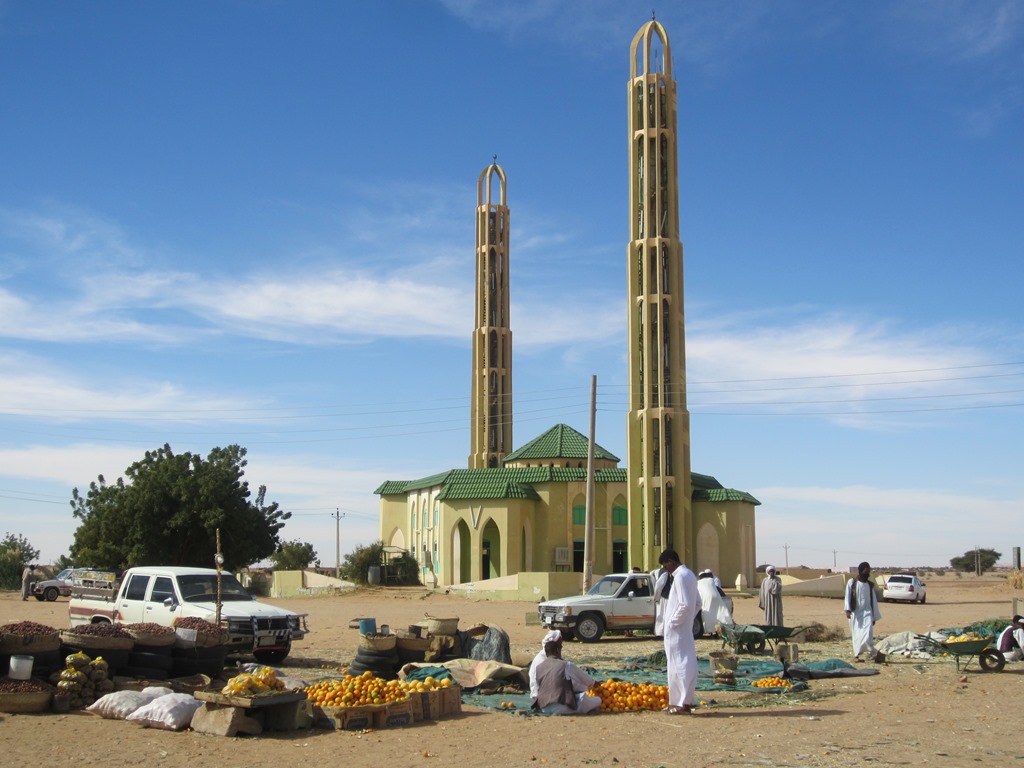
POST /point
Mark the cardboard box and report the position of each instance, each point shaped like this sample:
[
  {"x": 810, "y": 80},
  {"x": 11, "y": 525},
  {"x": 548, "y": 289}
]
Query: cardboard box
[
  {"x": 451, "y": 700},
  {"x": 416, "y": 702},
  {"x": 431, "y": 703},
  {"x": 394, "y": 715},
  {"x": 345, "y": 718}
]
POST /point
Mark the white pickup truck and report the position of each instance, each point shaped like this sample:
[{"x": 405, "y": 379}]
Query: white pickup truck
[
  {"x": 617, "y": 602},
  {"x": 161, "y": 594}
]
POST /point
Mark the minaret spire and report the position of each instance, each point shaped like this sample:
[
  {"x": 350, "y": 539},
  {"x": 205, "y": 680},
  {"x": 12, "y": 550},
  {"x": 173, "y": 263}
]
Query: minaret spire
[
  {"x": 491, "y": 402},
  {"x": 658, "y": 423}
]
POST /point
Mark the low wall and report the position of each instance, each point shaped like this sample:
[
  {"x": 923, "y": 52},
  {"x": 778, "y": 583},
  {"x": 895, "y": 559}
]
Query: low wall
[
  {"x": 304, "y": 584},
  {"x": 528, "y": 586}
]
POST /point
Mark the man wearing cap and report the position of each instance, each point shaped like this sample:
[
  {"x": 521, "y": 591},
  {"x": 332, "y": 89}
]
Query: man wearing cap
[
  {"x": 559, "y": 687},
  {"x": 769, "y": 599},
  {"x": 680, "y": 651},
  {"x": 1011, "y": 640}
]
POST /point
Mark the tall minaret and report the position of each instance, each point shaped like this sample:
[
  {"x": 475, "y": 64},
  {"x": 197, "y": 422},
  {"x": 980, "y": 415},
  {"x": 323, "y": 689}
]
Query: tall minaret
[
  {"x": 491, "y": 406},
  {"x": 658, "y": 424}
]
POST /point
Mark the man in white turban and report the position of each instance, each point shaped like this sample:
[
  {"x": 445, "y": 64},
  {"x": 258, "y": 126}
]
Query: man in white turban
[{"x": 559, "y": 687}]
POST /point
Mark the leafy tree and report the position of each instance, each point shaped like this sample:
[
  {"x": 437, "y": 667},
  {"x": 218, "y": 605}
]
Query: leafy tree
[
  {"x": 970, "y": 560},
  {"x": 295, "y": 556},
  {"x": 404, "y": 569},
  {"x": 168, "y": 510},
  {"x": 15, "y": 554}
]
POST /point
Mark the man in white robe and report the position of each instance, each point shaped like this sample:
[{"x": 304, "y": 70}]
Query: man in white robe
[
  {"x": 572, "y": 677},
  {"x": 861, "y": 605},
  {"x": 680, "y": 649},
  {"x": 659, "y": 579},
  {"x": 713, "y": 604},
  {"x": 1011, "y": 640},
  {"x": 769, "y": 597}
]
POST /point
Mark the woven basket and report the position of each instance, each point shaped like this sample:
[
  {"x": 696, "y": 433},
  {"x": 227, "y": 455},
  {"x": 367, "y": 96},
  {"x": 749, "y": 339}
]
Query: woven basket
[
  {"x": 413, "y": 643},
  {"x": 726, "y": 661},
  {"x": 28, "y": 644},
  {"x": 183, "y": 638},
  {"x": 96, "y": 642},
  {"x": 378, "y": 642},
  {"x": 25, "y": 702},
  {"x": 151, "y": 640},
  {"x": 437, "y": 626}
]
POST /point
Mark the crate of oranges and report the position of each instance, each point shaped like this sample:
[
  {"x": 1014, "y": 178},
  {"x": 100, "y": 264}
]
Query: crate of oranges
[
  {"x": 350, "y": 702},
  {"x": 620, "y": 696},
  {"x": 773, "y": 682}
]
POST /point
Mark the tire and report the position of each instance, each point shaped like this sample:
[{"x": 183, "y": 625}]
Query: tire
[
  {"x": 589, "y": 628},
  {"x": 43, "y": 664},
  {"x": 271, "y": 657},
  {"x": 213, "y": 652},
  {"x": 924, "y": 599},
  {"x": 40, "y": 598},
  {"x": 151, "y": 660},
  {"x": 756, "y": 646},
  {"x": 991, "y": 660},
  {"x": 145, "y": 673},
  {"x": 159, "y": 650},
  {"x": 51, "y": 594},
  {"x": 188, "y": 667},
  {"x": 117, "y": 660},
  {"x": 373, "y": 653}
]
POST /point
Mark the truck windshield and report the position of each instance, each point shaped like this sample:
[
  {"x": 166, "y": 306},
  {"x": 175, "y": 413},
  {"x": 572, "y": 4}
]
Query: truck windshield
[
  {"x": 202, "y": 588},
  {"x": 607, "y": 586}
]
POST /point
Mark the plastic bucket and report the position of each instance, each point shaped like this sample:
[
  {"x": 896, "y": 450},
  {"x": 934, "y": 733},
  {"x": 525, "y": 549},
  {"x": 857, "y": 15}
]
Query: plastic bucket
[
  {"x": 21, "y": 667},
  {"x": 366, "y": 627}
]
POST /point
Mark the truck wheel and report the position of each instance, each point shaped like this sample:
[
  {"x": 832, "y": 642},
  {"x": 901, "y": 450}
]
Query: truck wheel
[
  {"x": 589, "y": 628},
  {"x": 40, "y": 598},
  {"x": 51, "y": 594},
  {"x": 275, "y": 656}
]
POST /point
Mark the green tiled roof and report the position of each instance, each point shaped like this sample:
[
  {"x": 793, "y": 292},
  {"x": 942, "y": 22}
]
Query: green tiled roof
[
  {"x": 518, "y": 482},
  {"x": 559, "y": 442},
  {"x": 723, "y": 494}
]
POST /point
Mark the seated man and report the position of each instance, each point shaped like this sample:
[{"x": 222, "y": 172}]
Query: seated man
[
  {"x": 559, "y": 687},
  {"x": 1011, "y": 640}
]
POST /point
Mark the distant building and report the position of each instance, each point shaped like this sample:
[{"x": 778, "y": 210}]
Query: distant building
[{"x": 515, "y": 511}]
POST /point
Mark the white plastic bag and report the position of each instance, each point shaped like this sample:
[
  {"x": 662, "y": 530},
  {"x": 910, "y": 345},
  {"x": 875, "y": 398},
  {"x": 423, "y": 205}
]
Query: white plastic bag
[
  {"x": 171, "y": 712},
  {"x": 119, "y": 704}
]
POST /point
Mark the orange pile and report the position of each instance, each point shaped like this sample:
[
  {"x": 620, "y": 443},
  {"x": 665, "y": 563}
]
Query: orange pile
[
  {"x": 368, "y": 689},
  {"x": 619, "y": 696}
]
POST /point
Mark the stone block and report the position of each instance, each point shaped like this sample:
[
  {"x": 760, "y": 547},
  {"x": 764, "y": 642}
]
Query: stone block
[{"x": 222, "y": 720}]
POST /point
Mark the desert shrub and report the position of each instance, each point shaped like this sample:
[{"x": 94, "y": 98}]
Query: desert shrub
[
  {"x": 819, "y": 633},
  {"x": 939, "y": 571},
  {"x": 1015, "y": 579}
]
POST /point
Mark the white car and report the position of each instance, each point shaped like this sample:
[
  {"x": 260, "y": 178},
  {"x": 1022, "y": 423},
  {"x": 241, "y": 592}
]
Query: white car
[{"x": 905, "y": 587}]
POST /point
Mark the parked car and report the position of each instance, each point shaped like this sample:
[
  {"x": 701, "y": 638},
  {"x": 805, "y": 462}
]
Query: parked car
[
  {"x": 58, "y": 586},
  {"x": 905, "y": 587}
]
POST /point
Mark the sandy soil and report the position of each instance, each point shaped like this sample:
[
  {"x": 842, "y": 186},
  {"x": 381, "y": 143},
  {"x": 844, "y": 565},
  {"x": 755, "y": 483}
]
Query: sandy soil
[{"x": 913, "y": 713}]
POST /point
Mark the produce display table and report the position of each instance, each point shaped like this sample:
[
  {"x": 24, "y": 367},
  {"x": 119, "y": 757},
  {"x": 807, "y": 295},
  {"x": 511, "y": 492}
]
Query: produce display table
[{"x": 230, "y": 715}]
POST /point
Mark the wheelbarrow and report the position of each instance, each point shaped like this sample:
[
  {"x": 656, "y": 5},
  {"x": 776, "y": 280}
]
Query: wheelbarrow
[
  {"x": 990, "y": 658},
  {"x": 774, "y": 635},
  {"x": 744, "y": 638}
]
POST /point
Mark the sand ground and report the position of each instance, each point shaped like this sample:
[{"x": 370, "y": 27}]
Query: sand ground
[{"x": 913, "y": 713}]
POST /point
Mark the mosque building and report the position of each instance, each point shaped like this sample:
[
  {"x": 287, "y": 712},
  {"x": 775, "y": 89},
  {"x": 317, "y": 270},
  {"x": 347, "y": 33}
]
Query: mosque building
[{"x": 522, "y": 512}]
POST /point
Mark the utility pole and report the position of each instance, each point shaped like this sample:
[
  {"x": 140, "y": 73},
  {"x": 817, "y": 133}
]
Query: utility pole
[
  {"x": 588, "y": 535},
  {"x": 786, "y": 547},
  {"x": 834, "y": 566},
  {"x": 338, "y": 514}
]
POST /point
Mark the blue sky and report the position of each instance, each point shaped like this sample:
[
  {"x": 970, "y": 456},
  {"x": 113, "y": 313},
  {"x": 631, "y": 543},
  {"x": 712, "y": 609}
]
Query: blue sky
[{"x": 252, "y": 222}]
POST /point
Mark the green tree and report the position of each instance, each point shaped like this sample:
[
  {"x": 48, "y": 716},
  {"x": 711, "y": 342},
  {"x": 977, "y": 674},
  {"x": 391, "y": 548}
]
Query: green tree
[
  {"x": 167, "y": 509},
  {"x": 295, "y": 556},
  {"x": 402, "y": 570},
  {"x": 973, "y": 559},
  {"x": 15, "y": 553}
]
